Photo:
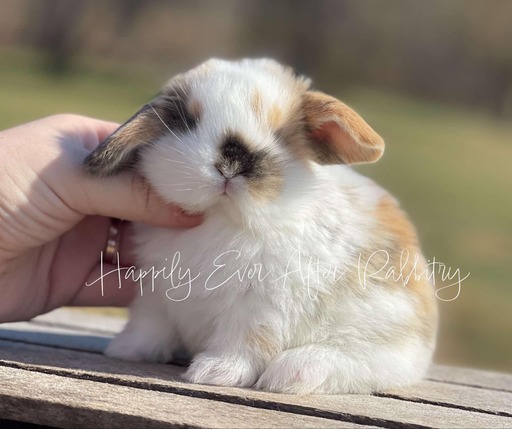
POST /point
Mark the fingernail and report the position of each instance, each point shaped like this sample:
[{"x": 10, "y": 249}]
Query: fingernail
[{"x": 187, "y": 219}]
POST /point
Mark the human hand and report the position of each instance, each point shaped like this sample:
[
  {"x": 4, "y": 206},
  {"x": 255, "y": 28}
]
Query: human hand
[{"x": 55, "y": 219}]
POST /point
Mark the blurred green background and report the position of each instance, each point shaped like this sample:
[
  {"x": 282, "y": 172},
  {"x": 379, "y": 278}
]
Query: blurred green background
[{"x": 433, "y": 78}]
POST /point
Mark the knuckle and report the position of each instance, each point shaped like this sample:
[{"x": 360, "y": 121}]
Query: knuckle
[{"x": 144, "y": 193}]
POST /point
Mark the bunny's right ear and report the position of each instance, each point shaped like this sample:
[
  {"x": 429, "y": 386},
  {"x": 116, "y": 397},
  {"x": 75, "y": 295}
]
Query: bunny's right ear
[
  {"x": 167, "y": 113},
  {"x": 338, "y": 134}
]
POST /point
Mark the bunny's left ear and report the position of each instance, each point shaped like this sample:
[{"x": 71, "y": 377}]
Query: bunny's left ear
[
  {"x": 118, "y": 151},
  {"x": 168, "y": 113},
  {"x": 337, "y": 134}
]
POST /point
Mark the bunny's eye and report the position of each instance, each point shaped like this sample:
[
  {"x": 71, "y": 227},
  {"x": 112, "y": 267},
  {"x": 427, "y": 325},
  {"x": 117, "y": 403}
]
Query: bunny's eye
[{"x": 176, "y": 115}]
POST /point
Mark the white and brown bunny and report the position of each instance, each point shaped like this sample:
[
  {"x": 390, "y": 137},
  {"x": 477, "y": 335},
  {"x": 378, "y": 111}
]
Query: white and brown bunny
[{"x": 299, "y": 280}]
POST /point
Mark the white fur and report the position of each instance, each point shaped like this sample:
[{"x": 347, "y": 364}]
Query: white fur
[{"x": 324, "y": 336}]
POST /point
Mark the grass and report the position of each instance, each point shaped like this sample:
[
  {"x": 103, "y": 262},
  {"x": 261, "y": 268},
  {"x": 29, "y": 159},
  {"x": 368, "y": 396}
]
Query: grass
[
  {"x": 28, "y": 94},
  {"x": 450, "y": 168}
]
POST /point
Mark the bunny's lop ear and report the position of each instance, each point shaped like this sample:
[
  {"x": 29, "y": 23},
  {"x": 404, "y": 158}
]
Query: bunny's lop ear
[
  {"x": 118, "y": 151},
  {"x": 167, "y": 113},
  {"x": 337, "y": 134}
]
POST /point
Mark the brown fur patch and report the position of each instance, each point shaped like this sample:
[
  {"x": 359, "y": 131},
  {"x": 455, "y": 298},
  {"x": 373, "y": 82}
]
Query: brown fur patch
[
  {"x": 394, "y": 222},
  {"x": 266, "y": 189},
  {"x": 292, "y": 133},
  {"x": 263, "y": 342},
  {"x": 275, "y": 117},
  {"x": 392, "y": 233},
  {"x": 196, "y": 110},
  {"x": 338, "y": 134},
  {"x": 268, "y": 185},
  {"x": 400, "y": 235},
  {"x": 256, "y": 103}
]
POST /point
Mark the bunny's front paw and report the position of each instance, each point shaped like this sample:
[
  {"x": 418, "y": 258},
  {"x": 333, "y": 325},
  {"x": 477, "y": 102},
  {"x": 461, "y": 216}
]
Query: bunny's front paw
[
  {"x": 291, "y": 373},
  {"x": 230, "y": 370},
  {"x": 130, "y": 346},
  {"x": 307, "y": 370}
]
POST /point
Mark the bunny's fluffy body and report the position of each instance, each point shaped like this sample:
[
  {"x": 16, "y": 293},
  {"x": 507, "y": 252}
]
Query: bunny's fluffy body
[{"x": 305, "y": 276}]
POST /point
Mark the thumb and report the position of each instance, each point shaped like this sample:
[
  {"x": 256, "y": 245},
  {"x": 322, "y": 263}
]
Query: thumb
[{"x": 128, "y": 196}]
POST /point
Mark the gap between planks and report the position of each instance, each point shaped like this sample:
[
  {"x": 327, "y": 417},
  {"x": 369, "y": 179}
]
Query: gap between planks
[
  {"x": 73, "y": 321},
  {"x": 450, "y": 395},
  {"x": 381, "y": 412},
  {"x": 54, "y": 400}
]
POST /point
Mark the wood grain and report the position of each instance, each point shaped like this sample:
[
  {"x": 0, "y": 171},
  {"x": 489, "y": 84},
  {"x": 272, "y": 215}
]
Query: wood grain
[
  {"x": 369, "y": 410},
  {"x": 453, "y": 395},
  {"x": 62, "y": 349},
  {"x": 64, "y": 402},
  {"x": 471, "y": 377}
]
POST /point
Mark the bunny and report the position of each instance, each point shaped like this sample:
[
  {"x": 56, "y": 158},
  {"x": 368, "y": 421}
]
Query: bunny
[{"x": 305, "y": 277}]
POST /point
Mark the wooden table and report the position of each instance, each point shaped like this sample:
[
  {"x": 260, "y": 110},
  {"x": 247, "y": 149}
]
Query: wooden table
[{"x": 52, "y": 374}]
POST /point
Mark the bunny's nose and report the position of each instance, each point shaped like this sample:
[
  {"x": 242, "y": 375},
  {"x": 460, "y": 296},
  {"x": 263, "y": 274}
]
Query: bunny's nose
[
  {"x": 226, "y": 170},
  {"x": 235, "y": 158}
]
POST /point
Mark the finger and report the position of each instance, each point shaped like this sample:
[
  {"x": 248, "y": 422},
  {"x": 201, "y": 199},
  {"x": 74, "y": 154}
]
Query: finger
[
  {"x": 125, "y": 196},
  {"x": 128, "y": 196},
  {"x": 126, "y": 245},
  {"x": 104, "y": 129},
  {"x": 125, "y": 238},
  {"x": 92, "y": 131}
]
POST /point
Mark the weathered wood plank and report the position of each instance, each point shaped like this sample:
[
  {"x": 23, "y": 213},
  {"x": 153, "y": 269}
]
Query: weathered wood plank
[
  {"x": 471, "y": 377},
  {"x": 452, "y": 387},
  {"x": 463, "y": 397},
  {"x": 77, "y": 361},
  {"x": 61, "y": 401},
  {"x": 80, "y": 320},
  {"x": 452, "y": 395},
  {"x": 379, "y": 411}
]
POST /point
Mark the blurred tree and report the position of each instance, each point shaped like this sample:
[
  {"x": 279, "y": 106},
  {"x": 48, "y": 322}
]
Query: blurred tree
[
  {"x": 128, "y": 12},
  {"x": 290, "y": 30},
  {"x": 454, "y": 51},
  {"x": 53, "y": 28},
  {"x": 491, "y": 52}
]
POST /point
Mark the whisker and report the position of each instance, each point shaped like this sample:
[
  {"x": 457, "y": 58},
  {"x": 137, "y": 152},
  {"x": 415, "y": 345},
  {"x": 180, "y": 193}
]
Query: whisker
[
  {"x": 166, "y": 126},
  {"x": 174, "y": 160},
  {"x": 170, "y": 185},
  {"x": 162, "y": 149},
  {"x": 177, "y": 150},
  {"x": 186, "y": 166},
  {"x": 154, "y": 145},
  {"x": 179, "y": 106}
]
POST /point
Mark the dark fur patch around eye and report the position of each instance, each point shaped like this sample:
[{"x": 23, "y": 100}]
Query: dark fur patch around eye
[{"x": 177, "y": 115}]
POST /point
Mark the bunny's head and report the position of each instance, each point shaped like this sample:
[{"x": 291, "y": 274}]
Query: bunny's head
[{"x": 246, "y": 135}]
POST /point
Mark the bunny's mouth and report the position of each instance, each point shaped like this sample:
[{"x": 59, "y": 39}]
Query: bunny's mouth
[{"x": 227, "y": 187}]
